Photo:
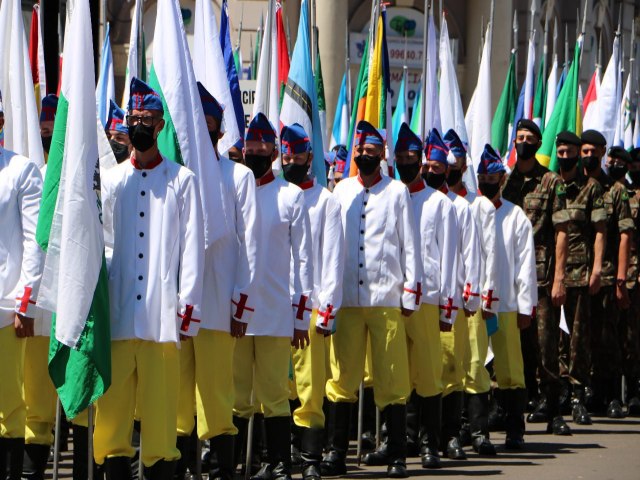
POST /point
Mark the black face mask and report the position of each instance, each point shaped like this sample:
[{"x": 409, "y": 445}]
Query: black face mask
[
  {"x": 591, "y": 163},
  {"x": 120, "y": 150},
  {"x": 408, "y": 172},
  {"x": 617, "y": 173},
  {"x": 567, "y": 164},
  {"x": 435, "y": 180},
  {"x": 214, "y": 137},
  {"x": 141, "y": 137},
  {"x": 454, "y": 176},
  {"x": 489, "y": 190},
  {"x": 46, "y": 143},
  {"x": 526, "y": 150},
  {"x": 635, "y": 177},
  {"x": 258, "y": 164},
  {"x": 294, "y": 173},
  {"x": 367, "y": 164}
]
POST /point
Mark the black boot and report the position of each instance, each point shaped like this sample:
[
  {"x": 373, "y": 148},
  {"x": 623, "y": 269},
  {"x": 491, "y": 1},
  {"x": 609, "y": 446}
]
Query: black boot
[
  {"x": 296, "y": 444},
  {"x": 118, "y": 468},
  {"x": 478, "y": 410},
  {"x": 396, "y": 417},
  {"x": 11, "y": 456},
  {"x": 333, "y": 463},
  {"x": 495, "y": 418},
  {"x": 188, "y": 453},
  {"x": 540, "y": 413},
  {"x": 451, "y": 425},
  {"x": 579, "y": 411},
  {"x": 515, "y": 406},
  {"x": 278, "y": 466},
  {"x": 81, "y": 454},
  {"x": 240, "y": 447},
  {"x": 556, "y": 423},
  {"x": 413, "y": 425},
  {"x": 223, "y": 447},
  {"x": 430, "y": 427},
  {"x": 35, "y": 461},
  {"x": 161, "y": 470},
  {"x": 311, "y": 452},
  {"x": 380, "y": 456},
  {"x": 368, "y": 441}
]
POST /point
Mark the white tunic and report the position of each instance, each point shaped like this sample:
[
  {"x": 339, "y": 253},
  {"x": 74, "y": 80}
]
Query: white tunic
[
  {"x": 469, "y": 254},
  {"x": 231, "y": 262},
  {"x": 516, "y": 278},
  {"x": 437, "y": 229},
  {"x": 382, "y": 261},
  {"x": 21, "y": 259},
  {"x": 285, "y": 235},
  {"x": 327, "y": 239},
  {"x": 154, "y": 244}
]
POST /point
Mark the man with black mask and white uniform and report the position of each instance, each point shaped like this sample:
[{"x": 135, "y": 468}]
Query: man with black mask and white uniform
[
  {"x": 118, "y": 133},
  {"x": 585, "y": 246},
  {"x": 613, "y": 296}
]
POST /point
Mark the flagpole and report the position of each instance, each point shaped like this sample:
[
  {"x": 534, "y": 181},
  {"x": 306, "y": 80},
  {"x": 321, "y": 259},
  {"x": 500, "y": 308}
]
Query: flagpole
[
  {"x": 583, "y": 29},
  {"x": 481, "y": 39},
  {"x": 424, "y": 68},
  {"x": 348, "y": 66},
  {"x": 314, "y": 36},
  {"x": 566, "y": 46},
  {"x": 515, "y": 42},
  {"x": 267, "y": 50},
  {"x": 545, "y": 47},
  {"x": 492, "y": 14}
]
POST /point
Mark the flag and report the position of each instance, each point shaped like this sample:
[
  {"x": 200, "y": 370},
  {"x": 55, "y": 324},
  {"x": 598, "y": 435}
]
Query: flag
[
  {"x": 401, "y": 113},
  {"x": 74, "y": 282},
  {"x": 540, "y": 95},
  {"x": 430, "y": 102},
  {"x": 136, "y": 62},
  {"x": 552, "y": 84},
  {"x": 527, "y": 111},
  {"x": 385, "y": 112},
  {"x": 590, "y": 98},
  {"x": 22, "y": 130},
  {"x": 636, "y": 129},
  {"x": 184, "y": 138},
  {"x": 267, "y": 97},
  {"x": 300, "y": 101},
  {"x": 283, "y": 52},
  {"x": 322, "y": 102},
  {"x": 340, "y": 130},
  {"x": 478, "y": 118},
  {"x": 258, "y": 48},
  {"x": 36, "y": 56},
  {"x": 624, "y": 127},
  {"x": 232, "y": 73},
  {"x": 451, "y": 112},
  {"x": 237, "y": 59},
  {"x": 211, "y": 71},
  {"x": 608, "y": 103},
  {"x": 416, "y": 114},
  {"x": 564, "y": 116},
  {"x": 505, "y": 111},
  {"x": 106, "y": 89}
]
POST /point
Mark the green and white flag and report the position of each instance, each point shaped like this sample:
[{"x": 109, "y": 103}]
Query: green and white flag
[{"x": 74, "y": 281}]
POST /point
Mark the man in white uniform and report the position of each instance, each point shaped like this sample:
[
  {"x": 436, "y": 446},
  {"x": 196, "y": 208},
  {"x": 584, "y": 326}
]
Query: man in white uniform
[
  {"x": 382, "y": 285},
  {"x": 155, "y": 255},
  {"x": 280, "y": 317},
  {"x": 21, "y": 259},
  {"x": 309, "y": 364}
]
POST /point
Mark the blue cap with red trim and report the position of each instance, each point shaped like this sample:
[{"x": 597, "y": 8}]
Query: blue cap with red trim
[
  {"x": 293, "y": 140},
  {"x": 367, "y": 133},
  {"x": 490, "y": 162},
  {"x": 143, "y": 97},
  {"x": 49, "y": 108},
  {"x": 210, "y": 105},
  {"x": 115, "y": 120},
  {"x": 435, "y": 148},
  {"x": 454, "y": 144},
  {"x": 261, "y": 130},
  {"x": 407, "y": 141}
]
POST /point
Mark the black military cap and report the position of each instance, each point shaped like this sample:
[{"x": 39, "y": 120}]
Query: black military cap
[
  {"x": 568, "y": 138},
  {"x": 635, "y": 155},
  {"x": 620, "y": 153},
  {"x": 593, "y": 137},
  {"x": 526, "y": 124}
]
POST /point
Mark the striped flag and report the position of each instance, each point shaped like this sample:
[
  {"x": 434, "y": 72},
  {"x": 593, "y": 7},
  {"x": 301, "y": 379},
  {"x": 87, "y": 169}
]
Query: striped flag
[
  {"x": 74, "y": 281},
  {"x": 185, "y": 138},
  {"x": 529, "y": 79},
  {"x": 300, "y": 101},
  {"x": 106, "y": 89},
  {"x": 590, "y": 98},
  {"x": 283, "y": 52},
  {"x": 232, "y": 72},
  {"x": 540, "y": 95},
  {"x": 552, "y": 85},
  {"x": 36, "y": 56}
]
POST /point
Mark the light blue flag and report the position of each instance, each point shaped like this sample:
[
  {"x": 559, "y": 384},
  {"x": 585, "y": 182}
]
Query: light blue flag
[
  {"x": 106, "y": 89},
  {"x": 340, "y": 130},
  {"x": 400, "y": 114},
  {"x": 417, "y": 112}
]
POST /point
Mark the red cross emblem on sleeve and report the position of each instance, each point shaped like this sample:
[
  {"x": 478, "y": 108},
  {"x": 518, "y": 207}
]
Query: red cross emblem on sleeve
[
  {"x": 301, "y": 307},
  {"x": 467, "y": 294},
  {"x": 186, "y": 318},
  {"x": 241, "y": 306},
  {"x": 25, "y": 300},
  {"x": 417, "y": 292},
  {"x": 489, "y": 298},
  {"x": 326, "y": 315},
  {"x": 448, "y": 308}
]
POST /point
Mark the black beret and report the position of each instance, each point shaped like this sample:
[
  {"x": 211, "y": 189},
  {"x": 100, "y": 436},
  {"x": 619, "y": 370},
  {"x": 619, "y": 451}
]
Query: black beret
[
  {"x": 526, "y": 124},
  {"x": 635, "y": 155},
  {"x": 620, "y": 153},
  {"x": 568, "y": 138},
  {"x": 594, "y": 137}
]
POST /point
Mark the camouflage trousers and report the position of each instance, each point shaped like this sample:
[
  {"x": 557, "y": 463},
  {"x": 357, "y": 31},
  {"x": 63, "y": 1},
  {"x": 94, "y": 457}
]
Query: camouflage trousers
[
  {"x": 629, "y": 332},
  {"x": 575, "y": 349},
  {"x": 548, "y": 329},
  {"x": 606, "y": 349}
]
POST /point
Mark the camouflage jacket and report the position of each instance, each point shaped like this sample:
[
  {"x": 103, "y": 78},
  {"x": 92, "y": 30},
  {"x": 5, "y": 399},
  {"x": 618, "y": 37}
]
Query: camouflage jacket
[
  {"x": 541, "y": 194},
  {"x": 616, "y": 203},
  {"x": 585, "y": 207},
  {"x": 633, "y": 274}
]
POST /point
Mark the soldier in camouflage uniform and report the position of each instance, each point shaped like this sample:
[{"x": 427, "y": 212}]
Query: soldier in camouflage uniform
[
  {"x": 586, "y": 240},
  {"x": 541, "y": 194},
  {"x": 613, "y": 296},
  {"x": 630, "y": 319}
]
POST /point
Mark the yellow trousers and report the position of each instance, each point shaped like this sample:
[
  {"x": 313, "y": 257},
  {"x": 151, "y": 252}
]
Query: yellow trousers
[
  {"x": 206, "y": 384},
  {"x": 385, "y": 328},
  {"x": 12, "y": 405},
  {"x": 144, "y": 375},
  {"x": 310, "y": 378},
  {"x": 476, "y": 376},
  {"x": 39, "y": 393},
  {"x": 508, "y": 363},
  {"x": 425, "y": 351},
  {"x": 453, "y": 351},
  {"x": 261, "y": 365}
]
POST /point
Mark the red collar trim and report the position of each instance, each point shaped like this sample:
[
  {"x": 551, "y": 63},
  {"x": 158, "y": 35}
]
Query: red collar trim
[
  {"x": 150, "y": 166},
  {"x": 444, "y": 189},
  {"x": 378, "y": 178},
  {"x": 416, "y": 187},
  {"x": 266, "y": 178},
  {"x": 497, "y": 203},
  {"x": 307, "y": 185},
  {"x": 463, "y": 193}
]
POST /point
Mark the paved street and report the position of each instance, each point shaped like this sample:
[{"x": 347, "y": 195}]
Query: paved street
[{"x": 608, "y": 449}]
